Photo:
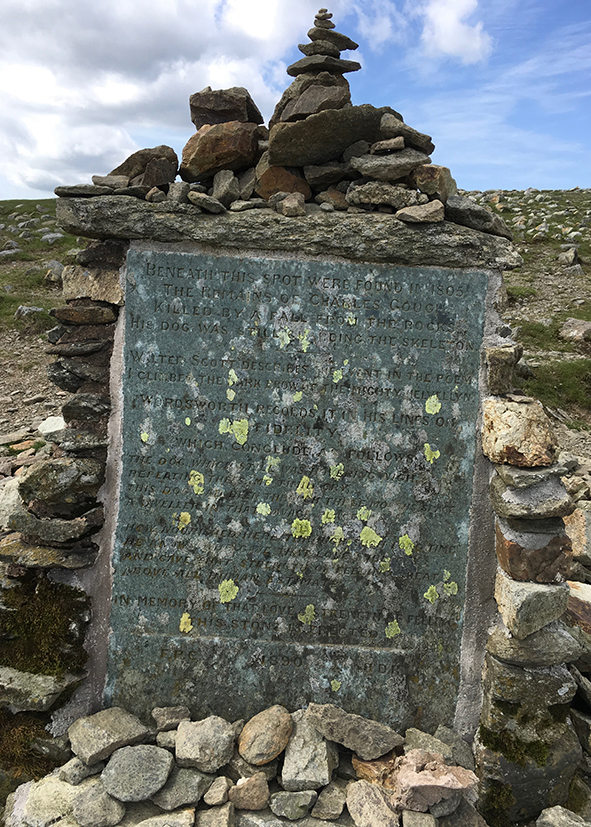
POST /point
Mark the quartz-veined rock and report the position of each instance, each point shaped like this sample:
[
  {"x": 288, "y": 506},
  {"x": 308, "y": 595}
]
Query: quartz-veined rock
[{"x": 518, "y": 433}]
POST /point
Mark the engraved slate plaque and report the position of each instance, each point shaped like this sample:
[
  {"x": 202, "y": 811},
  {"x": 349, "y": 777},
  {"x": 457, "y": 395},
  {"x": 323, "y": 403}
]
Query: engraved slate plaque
[{"x": 296, "y": 480}]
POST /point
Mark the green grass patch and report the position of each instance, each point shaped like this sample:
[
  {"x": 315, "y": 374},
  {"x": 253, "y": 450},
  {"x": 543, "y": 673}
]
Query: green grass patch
[
  {"x": 535, "y": 335},
  {"x": 520, "y": 291},
  {"x": 562, "y": 384}
]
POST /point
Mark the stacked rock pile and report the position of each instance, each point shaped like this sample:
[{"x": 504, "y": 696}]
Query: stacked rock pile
[
  {"x": 316, "y": 767},
  {"x": 319, "y": 153}
]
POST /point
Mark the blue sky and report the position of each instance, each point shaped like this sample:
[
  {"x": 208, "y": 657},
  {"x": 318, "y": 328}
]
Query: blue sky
[{"x": 503, "y": 87}]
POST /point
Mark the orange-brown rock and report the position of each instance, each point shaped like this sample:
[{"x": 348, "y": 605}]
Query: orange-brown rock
[
  {"x": 232, "y": 145},
  {"x": 334, "y": 197},
  {"x": 379, "y": 771},
  {"x": 272, "y": 179},
  {"x": 541, "y": 558},
  {"x": 434, "y": 180},
  {"x": 517, "y": 433},
  {"x": 250, "y": 793},
  {"x": 265, "y": 736}
]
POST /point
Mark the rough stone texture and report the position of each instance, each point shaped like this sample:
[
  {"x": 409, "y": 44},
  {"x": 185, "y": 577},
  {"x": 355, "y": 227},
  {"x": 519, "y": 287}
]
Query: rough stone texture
[
  {"x": 292, "y": 205},
  {"x": 47, "y": 801},
  {"x": 578, "y": 610},
  {"x": 169, "y": 717},
  {"x": 98, "y": 284},
  {"x": 583, "y": 684},
  {"x": 95, "y": 737},
  {"x": 322, "y": 63},
  {"x": 528, "y": 607},
  {"x": 309, "y": 758},
  {"x": 341, "y": 41},
  {"x": 265, "y": 736},
  {"x": 421, "y": 780},
  {"x": 575, "y": 330},
  {"x": 75, "y": 771},
  {"x": 541, "y": 556},
  {"x": 55, "y": 531},
  {"x": 273, "y": 179},
  {"x": 184, "y": 786},
  {"x": 206, "y": 203},
  {"x": 331, "y": 801},
  {"x": 413, "y": 819},
  {"x": 334, "y": 197},
  {"x": 516, "y": 477},
  {"x": 13, "y": 549},
  {"x": 179, "y": 818},
  {"x": 389, "y": 167},
  {"x": 324, "y": 136},
  {"x": 90, "y": 314},
  {"x": 90, "y": 406},
  {"x": 238, "y": 768},
  {"x": 292, "y": 805},
  {"x": 416, "y": 739},
  {"x": 517, "y": 433},
  {"x": 530, "y": 691},
  {"x": 422, "y": 213},
  {"x": 137, "y": 773},
  {"x": 380, "y": 192},
  {"x": 226, "y": 187},
  {"x": 548, "y": 646},
  {"x": 82, "y": 191},
  {"x": 159, "y": 172},
  {"x": 559, "y": 817},
  {"x": 316, "y": 98},
  {"x": 299, "y": 88},
  {"x": 387, "y": 146},
  {"x": 462, "y": 754},
  {"x": 463, "y": 210},
  {"x": 28, "y": 692},
  {"x": 206, "y": 745},
  {"x": 464, "y": 816},
  {"x": 217, "y": 794},
  {"x": 582, "y": 726},
  {"x": 320, "y": 176},
  {"x": 232, "y": 145},
  {"x": 578, "y": 528},
  {"x": 93, "y": 807},
  {"x": 392, "y": 126},
  {"x": 218, "y": 817},
  {"x": 250, "y": 793},
  {"x": 501, "y": 361},
  {"x": 68, "y": 479},
  {"x": 379, "y": 238},
  {"x": 137, "y": 163},
  {"x": 370, "y": 805},
  {"x": 167, "y": 740},
  {"x": 434, "y": 180},
  {"x": 539, "y": 501},
  {"x": 320, "y": 47},
  {"x": 211, "y": 106},
  {"x": 533, "y": 786},
  {"x": 113, "y": 181},
  {"x": 369, "y": 739}
]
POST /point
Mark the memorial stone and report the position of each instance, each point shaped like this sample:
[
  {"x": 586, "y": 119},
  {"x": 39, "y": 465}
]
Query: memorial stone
[{"x": 297, "y": 451}]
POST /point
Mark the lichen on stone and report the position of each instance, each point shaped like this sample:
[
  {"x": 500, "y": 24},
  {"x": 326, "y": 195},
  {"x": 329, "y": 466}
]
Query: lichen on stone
[
  {"x": 337, "y": 535},
  {"x": 433, "y": 405},
  {"x": 431, "y": 594},
  {"x": 301, "y": 528},
  {"x": 308, "y": 616},
  {"x": 185, "y": 625},
  {"x": 329, "y": 516},
  {"x": 430, "y": 453},
  {"x": 228, "y": 591},
  {"x": 369, "y": 538},
  {"x": 197, "y": 482},
  {"x": 305, "y": 489},
  {"x": 238, "y": 427},
  {"x": 392, "y": 629},
  {"x": 264, "y": 509},
  {"x": 337, "y": 471},
  {"x": 406, "y": 544},
  {"x": 385, "y": 565}
]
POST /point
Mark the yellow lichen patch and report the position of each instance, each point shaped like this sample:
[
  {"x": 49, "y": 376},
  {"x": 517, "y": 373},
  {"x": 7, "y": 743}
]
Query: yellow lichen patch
[
  {"x": 351, "y": 319},
  {"x": 230, "y": 394},
  {"x": 337, "y": 375},
  {"x": 185, "y": 625},
  {"x": 300, "y": 573},
  {"x": 430, "y": 453},
  {"x": 181, "y": 520},
  {"x": 264, "y": 509},
  {"x": 369, "y": 538},
  {"x": 301, "y": 528},
  {"x": 406, "y": 544},
  {"x": 450, "y": 588},
  {"x": 364, "y": 514},
  {"x": 337, "y": 471},
  {"x": 308, "y": 616},
  {"x": 446, "y": 575},
  {"x": 297, "y": 397},
  {"x": 305, "y": 489},
  {"x": 337, "y": 535},
  {"x": 272, "y": 462},
  {"x": 238, "y": 427},
  {"x": 267, "y": 479},
  {"x": 304, "y": 340},
  {"x": 188, "y": 420},
  {"x": 335, "y": 685},
  {"x": 197, "y": 482},
  {"x": 329, "y": 516},
  {"x": 284, "y": 336},
  {"x": 433, "y": 405},
  {"x": 385, "y": 564},
  {"x": 431, "y": 594},
  {"x": 392, "y": 629},
  {"x": 232, "y": 377},
  {"x": 228, "y": 591},
  {"x": 144, "y": 436}
]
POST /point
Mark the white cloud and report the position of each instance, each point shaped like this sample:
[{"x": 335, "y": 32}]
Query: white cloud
[{"x": 447, "y": 34}]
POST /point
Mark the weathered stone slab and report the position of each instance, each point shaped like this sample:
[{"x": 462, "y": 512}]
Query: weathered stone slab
[
  {"x": 377, "y": 238},
  {"x": 298, "y": 446}
]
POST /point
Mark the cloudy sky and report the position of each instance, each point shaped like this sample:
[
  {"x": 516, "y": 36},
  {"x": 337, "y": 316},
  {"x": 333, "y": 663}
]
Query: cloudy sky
[{"x": 503, "y": 86}]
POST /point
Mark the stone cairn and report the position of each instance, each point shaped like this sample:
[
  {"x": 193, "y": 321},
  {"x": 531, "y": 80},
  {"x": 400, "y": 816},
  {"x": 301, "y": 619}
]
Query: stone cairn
[
  {"x": 319, "y": 153},
  {"x": 316, "y": 767}
]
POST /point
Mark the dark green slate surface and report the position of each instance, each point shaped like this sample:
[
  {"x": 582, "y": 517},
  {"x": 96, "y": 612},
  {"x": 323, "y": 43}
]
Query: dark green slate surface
[{"x": 298, "y": 446}]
